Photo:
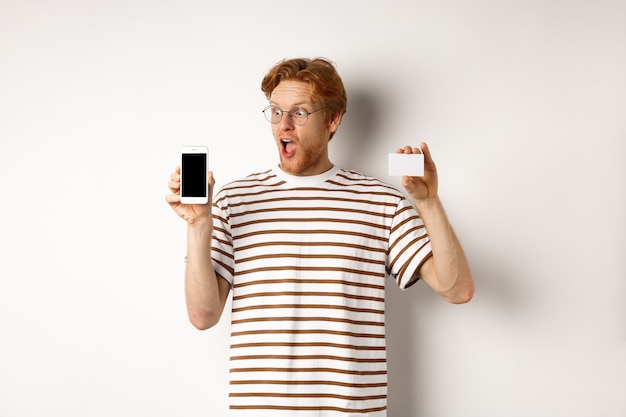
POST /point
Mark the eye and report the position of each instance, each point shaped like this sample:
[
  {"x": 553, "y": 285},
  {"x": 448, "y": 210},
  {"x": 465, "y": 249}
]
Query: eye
[
  {"x": 276, "y": 111},
  {"x": 299, "y": 112}
]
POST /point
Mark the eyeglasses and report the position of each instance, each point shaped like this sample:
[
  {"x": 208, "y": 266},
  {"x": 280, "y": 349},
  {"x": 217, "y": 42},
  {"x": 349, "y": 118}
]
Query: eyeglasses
[{"x": 298, "y": 115}]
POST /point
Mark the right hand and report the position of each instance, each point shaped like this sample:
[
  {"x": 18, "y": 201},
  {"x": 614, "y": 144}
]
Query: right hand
[{"x": 191, "y": 213}]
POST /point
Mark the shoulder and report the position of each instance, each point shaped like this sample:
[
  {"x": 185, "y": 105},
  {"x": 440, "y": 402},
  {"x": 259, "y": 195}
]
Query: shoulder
[
  {"x": 365, "y": 184},
  {"x": 265, "y": 178},
  {"x": 259, "y": 178},
  {"x": 252, "y": 184}
]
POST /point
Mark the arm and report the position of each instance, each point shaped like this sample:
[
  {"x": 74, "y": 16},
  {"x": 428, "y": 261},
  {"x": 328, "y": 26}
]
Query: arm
[
  {"x": 447, "y": 271},
  {"x": 205, "y": 292}
]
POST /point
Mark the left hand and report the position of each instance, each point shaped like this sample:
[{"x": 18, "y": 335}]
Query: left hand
[{"x": 421, "y": 188}]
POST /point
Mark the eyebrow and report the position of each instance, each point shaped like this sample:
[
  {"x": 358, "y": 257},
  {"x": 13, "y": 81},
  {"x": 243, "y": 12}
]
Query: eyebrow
[{"x": 273, "y": 103}]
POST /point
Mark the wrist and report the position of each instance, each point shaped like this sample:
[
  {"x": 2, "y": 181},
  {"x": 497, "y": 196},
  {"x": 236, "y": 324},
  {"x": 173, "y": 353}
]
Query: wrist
[
  {"x": 201, "y": 227},
  {"x": 199, "y": 237},
  {"x": 426, "y": 205},
  {"x": 201, "y": 223}
]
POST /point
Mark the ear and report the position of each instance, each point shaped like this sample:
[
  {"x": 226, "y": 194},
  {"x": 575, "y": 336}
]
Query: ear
[{"x": 335, "y": 121}]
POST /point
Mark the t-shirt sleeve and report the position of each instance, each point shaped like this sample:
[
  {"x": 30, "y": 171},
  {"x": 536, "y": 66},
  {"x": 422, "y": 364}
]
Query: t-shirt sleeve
[
  {"x": 222, "y": 242},
  {"x": 409, "y": 245}
]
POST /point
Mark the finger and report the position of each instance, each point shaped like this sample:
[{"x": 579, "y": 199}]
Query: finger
[
  {"x": 406, "y": 150},
  {"x": 427, "y": 155},
  {"x": 174, "y": 186},
  {"x": 409, "y": 183},
  {"x": 172, "y": 198}
]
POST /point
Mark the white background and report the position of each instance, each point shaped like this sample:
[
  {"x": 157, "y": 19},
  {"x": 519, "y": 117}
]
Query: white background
[{"x": 522, "y": 102}]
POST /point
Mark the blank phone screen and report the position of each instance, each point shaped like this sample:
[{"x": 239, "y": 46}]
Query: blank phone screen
[{"x": 194, "y": 175}]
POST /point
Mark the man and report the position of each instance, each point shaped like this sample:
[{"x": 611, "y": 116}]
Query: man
[{"x": 306, "y": 247}]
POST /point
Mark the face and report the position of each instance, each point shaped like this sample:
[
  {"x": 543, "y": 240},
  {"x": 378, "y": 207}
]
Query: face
[{"x": 303, "y": 149}]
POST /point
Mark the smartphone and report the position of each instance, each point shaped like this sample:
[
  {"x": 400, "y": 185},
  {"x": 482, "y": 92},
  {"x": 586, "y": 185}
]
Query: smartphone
[{"x": 194, "y": 184}]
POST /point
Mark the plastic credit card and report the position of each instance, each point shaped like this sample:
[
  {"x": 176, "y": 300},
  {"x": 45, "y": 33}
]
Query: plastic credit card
[{"x": 411, "y": 164}]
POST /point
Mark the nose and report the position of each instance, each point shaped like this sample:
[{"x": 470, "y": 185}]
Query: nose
[{"x": 285, "y": 122}]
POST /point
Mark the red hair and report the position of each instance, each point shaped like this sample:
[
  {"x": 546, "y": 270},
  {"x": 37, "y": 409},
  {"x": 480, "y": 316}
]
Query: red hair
[{"x": 320, "y": 73}]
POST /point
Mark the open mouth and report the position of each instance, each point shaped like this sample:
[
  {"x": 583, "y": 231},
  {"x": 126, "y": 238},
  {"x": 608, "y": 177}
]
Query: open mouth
[{"x": 288, "y": 146}]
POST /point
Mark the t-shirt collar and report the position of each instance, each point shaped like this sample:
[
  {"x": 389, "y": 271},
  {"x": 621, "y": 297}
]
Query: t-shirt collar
[{"x": 305, "y": 180}]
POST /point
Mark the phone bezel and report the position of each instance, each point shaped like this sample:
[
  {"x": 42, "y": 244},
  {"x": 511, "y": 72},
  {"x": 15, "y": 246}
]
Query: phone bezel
[{"x": 194, "y": 150}]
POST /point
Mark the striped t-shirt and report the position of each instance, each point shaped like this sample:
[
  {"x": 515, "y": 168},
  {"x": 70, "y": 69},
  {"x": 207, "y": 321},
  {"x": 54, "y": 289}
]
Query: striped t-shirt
[{"x": 307, "y": 258}]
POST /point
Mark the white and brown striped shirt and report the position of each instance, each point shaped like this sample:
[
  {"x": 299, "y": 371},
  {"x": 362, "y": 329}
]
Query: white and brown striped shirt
[{"x": 307, "y": 259}]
